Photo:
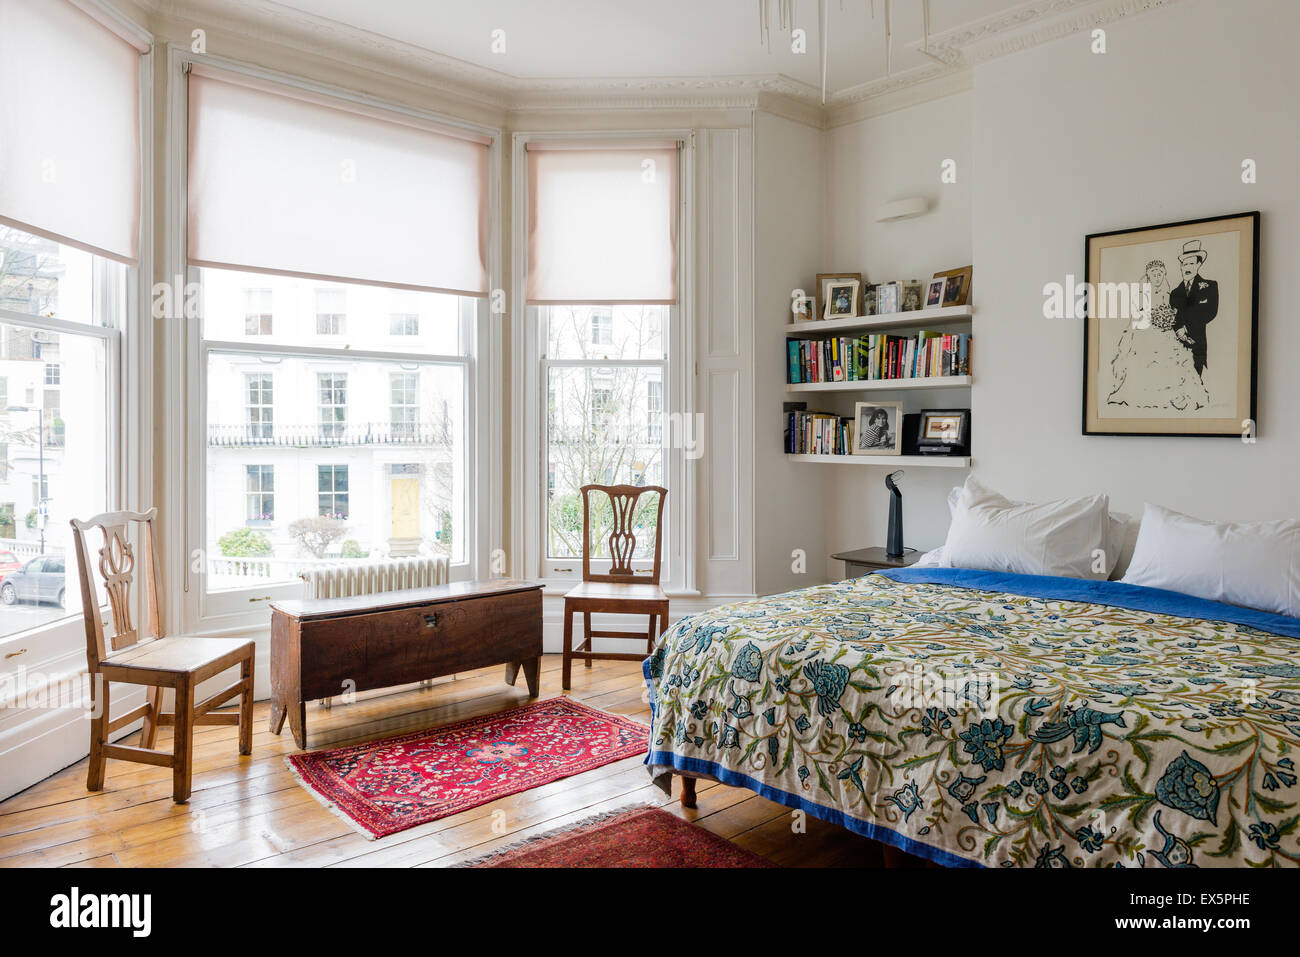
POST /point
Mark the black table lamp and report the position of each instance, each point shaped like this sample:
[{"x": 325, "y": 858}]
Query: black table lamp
[{"x": 894, "y": 544}]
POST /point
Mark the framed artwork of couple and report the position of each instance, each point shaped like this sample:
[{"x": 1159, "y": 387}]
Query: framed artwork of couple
[{"x": 1171, "y": 328}]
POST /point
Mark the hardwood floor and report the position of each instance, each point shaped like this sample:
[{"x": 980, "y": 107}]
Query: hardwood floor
[{"x": 249, "y": 811}]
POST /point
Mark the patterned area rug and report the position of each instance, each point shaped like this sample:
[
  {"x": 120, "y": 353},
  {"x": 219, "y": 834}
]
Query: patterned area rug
[
  {"x": 627, "y": 837},
  {"x": 383, "y": 787}
]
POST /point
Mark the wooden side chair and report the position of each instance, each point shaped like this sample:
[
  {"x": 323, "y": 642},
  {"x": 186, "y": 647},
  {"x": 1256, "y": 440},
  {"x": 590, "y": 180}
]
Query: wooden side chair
[
  {"x": 620, "y": 591},
  {"x": 159, "y": 661}
]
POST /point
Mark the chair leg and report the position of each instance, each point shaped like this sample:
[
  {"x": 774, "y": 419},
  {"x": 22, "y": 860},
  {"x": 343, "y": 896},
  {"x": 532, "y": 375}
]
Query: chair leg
[
  {"x": 650, "y": 635},
  {"x": 149, "y": 733},
  {"x": 99, "y": 698},
  {"x": 567, "y": 669},
  {"x": 246, "y": 707},
  {"x": 183, "y": 745},
  {"x": 586, "y": 633}
]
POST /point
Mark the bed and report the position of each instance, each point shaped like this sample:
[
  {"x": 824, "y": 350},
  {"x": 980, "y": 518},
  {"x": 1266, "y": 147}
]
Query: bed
[{"x": 988, "y": 719}]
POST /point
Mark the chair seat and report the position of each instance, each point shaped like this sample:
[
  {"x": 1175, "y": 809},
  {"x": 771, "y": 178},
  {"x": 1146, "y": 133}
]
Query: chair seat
[
  {"x": 179, "y": 654},
  {"x": 615, "y": 591}
]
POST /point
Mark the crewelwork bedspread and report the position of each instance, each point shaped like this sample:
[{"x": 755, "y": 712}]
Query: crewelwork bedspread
[{"x": 997, "y": 727}]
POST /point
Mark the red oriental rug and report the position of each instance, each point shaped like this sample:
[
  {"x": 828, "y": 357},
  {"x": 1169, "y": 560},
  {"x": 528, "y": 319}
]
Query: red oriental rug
[
  {"x": 627, "y": 837},
  {"x": 383, "y": 787}
]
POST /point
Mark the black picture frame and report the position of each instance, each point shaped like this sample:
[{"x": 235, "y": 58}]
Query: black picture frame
[
  {"x": 959, "y": 445},
  {"x": 1252, "y": 415}
]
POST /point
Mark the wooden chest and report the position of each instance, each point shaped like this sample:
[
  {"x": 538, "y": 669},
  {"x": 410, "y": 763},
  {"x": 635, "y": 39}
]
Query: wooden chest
[{"x": 333, "y": 646}]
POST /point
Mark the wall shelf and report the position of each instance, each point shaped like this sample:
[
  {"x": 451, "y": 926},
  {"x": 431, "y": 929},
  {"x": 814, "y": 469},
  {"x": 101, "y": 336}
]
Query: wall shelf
[
  {"x": 893, "y": 320},
  {"x": 910, "y": 461},
  {"x": 883, "y": 385}
]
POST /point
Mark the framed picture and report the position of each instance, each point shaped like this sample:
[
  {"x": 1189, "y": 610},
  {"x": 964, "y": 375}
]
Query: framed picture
[
  {"x": 827, "y": 277},
  {"x": 934, "y": 293},
  {"x": 913, "y": 295},
  {"x": 841, "y": 299},
  {"x": 869, "y": 298},
  {"x": 803, "y": 308},
  {"x": 944, "y": 431},
  {"x": 887, "y": 298},
  {"x": 956, "y": 288},
  {"x": 1171, "y": 327},
  {"x": 877, "y": 428}
]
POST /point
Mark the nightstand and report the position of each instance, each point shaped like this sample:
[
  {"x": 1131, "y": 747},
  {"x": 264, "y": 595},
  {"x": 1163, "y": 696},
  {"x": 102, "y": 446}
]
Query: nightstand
[{"x": 863, "y": 561}]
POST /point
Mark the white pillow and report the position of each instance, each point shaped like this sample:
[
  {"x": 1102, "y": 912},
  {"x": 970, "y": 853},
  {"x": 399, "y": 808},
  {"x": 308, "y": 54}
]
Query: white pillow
[
  {"x": 1255, "y": 565},
  {"x": 1121, "y": 533},
  {"x": 993, "y": 533}
]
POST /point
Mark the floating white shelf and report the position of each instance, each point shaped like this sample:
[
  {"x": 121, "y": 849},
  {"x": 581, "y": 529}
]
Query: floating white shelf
[
  {"x": 883, "y": 385},
  {"x": 911, "y": 461},
  {"x": 916, "y": 317}
]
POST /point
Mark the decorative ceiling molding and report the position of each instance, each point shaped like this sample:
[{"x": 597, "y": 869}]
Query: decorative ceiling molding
[{"x": 955, "y": 51}]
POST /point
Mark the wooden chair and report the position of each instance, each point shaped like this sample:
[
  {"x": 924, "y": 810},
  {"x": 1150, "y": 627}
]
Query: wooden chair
[
  {"x": 620, "y": 591},
  {"x": 159, "y": 662}
]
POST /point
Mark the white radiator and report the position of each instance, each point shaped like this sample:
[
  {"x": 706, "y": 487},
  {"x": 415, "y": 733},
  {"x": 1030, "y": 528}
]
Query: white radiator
[{"x": 356, "y": 578}]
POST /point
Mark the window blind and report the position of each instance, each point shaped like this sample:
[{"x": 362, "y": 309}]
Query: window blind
[
  {"x": 285, "y": 181},
  {"x": 602, "y": 223},
  {"x": 70, "y": 126}
]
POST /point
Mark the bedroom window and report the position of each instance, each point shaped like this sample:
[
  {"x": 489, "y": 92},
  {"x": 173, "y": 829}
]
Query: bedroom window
[
  {"x": 367, "y": 345},
  {"x": 605, "y": 332},
  {"x": 70, "y": 221}
]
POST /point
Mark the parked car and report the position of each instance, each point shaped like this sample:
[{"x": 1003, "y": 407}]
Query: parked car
[
  {"x": 8, "y": 562},
  {"x": 40, "y": 580}
]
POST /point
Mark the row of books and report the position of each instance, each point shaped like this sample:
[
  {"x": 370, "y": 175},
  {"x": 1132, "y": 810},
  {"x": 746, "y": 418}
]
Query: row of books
[
  {"x": 818, "y": 433},
  {"x": 879, "y": 356}
]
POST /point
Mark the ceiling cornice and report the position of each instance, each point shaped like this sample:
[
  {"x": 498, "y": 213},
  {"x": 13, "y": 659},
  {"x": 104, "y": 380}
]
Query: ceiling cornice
[{"x": 955, "y": 53}]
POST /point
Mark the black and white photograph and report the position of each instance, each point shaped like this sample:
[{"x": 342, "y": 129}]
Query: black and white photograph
[
  {"x": 912, "y": 296},
  {"x": 1171, "y": 328},
  {"x": 877, "y": 428}
]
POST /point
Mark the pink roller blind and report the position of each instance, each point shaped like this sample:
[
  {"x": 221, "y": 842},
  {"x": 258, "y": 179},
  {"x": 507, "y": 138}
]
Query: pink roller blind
[
  {"x": 69, "y": 128},
  {"x": 602, "y": 223},
  {"x": 290, "y": 182}
]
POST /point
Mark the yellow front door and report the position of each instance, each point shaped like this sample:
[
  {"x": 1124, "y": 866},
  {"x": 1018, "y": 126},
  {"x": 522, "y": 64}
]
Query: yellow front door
[{"x": 406, "y": 507}]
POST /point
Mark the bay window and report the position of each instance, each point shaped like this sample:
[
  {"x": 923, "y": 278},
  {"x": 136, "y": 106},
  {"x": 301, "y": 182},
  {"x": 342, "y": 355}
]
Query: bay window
[
  {"x": 351, "y": 324},
  {"x": 603, "y": 346}
]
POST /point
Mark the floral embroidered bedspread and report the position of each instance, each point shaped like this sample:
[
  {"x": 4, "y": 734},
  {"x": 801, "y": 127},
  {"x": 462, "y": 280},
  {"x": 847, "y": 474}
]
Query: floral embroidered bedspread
[{"x": 994, "y": 728}]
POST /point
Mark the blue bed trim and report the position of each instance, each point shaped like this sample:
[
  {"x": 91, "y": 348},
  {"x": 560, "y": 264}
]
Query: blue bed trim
[
  {"x": 1117, "y": 594},
  {"x": 874, "y": 831}
]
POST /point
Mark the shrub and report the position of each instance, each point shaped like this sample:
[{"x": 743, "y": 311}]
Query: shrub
[
  {"x": 352, "y": 549},
  {"x": 244, "y": 543},
  {"x": 317, "y": 533}
]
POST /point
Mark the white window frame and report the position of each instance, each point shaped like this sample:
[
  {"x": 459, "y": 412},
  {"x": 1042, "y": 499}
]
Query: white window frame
[
  {"x": 60, "y": 646},
  {"x": 530, "y": 370},
  {"x": 243, "y": 611}
]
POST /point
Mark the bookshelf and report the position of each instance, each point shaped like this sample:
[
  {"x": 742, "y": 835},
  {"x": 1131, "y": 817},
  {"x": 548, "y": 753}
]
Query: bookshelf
[
  {"x": 883, "y": 385},
  {"x": 816, "y": 328},
  {"x": 949, "y": 319},
  {"x": 893, "y": 461}
]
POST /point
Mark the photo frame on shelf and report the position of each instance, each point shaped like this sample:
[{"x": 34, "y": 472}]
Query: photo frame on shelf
[
  {"x": 934, "y": 293},
  {"x": 957, "y": 283},
  {"x": 827, "y": 277},
  {"x": 888, "y": 298},
  {"x": 869, "y": 298},
  {"x": 803, "y": 308},
  {"x": 841, "y": 299},
  {"x": 943, "y": 432},
  {"x": 912, "y": 296},
  {"x": 1182, "y": 358},
  {"x": 878, "y": 428}
]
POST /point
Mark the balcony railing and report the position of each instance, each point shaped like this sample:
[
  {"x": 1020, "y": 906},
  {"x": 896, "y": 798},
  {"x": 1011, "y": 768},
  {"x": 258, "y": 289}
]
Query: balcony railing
[{"x": 328, "y": 436}]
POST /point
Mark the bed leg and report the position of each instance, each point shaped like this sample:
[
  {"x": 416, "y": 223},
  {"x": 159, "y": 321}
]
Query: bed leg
[{"x": 688, "y": 792}]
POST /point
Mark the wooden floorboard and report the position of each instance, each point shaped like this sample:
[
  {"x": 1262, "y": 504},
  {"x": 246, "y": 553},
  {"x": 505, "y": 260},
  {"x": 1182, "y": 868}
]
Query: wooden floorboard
[{"x": 249, "y": 810}]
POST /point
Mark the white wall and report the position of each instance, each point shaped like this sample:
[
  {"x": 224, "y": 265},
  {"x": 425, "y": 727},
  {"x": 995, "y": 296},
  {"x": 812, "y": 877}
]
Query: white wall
[
  {"x": 1068, "y": 143},
  {"x": 1053, "y": 143},
  {"x": 789, "y": 250},
  {"x": 871, "y": 163}
]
